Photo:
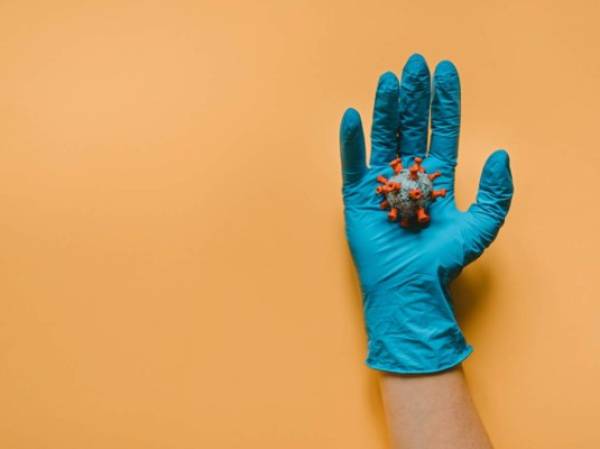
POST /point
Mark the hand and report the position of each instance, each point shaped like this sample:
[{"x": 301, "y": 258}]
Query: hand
[{"x": 404, "y": 273}]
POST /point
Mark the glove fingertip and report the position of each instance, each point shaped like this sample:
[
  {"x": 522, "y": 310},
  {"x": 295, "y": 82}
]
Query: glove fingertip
[
  {"x": 351, "y": 123},
  {"x": 445, "y": 68},
  {"x": 496, "y": 174}
]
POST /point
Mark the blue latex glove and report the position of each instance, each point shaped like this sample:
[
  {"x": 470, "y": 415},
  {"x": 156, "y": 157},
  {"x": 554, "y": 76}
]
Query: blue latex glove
[{"x": 404, "y": 273}]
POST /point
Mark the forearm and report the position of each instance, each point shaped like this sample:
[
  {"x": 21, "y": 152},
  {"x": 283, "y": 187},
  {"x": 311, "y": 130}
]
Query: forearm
[{"x": 432, "y": 412}]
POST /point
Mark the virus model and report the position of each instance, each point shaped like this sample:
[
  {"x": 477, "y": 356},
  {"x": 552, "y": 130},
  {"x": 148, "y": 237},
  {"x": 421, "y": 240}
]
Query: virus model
[{"x": 408, "y": 193}]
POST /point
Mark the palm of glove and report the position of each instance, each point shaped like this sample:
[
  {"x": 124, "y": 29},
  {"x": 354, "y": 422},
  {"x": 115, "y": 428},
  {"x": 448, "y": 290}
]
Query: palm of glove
[{"x": 385, "y": 253}]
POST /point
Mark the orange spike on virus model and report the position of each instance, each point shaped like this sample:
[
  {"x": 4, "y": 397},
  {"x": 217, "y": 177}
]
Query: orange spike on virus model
[{"x": 408, "y": 193}]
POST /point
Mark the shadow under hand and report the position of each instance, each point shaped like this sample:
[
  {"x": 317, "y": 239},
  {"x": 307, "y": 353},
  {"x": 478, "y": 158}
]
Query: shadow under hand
[{"x": 470, "y": 291}]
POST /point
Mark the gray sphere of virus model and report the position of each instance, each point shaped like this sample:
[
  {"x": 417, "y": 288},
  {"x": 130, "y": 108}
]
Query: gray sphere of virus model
[{"x": 408, "y": 193}]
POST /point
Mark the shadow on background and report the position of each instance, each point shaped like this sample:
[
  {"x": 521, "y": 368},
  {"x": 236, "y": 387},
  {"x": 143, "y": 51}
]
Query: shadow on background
[{"x": 470, "y": 291}]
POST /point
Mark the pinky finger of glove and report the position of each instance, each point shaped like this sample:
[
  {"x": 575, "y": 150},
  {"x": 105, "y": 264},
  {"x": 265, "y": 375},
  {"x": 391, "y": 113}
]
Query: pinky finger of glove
[{"x": 352, "y": 147}]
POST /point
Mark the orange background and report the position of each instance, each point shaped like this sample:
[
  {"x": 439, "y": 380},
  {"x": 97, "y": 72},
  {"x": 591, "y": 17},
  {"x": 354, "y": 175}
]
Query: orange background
[{"x": 173, "y": 266}]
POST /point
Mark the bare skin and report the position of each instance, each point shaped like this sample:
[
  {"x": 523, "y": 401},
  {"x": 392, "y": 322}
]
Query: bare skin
[{"x": 432, "y": 412}]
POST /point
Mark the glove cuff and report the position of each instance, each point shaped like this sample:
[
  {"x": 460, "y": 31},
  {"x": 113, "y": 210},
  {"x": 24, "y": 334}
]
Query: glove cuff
[{"x": 412, "y": 329}]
